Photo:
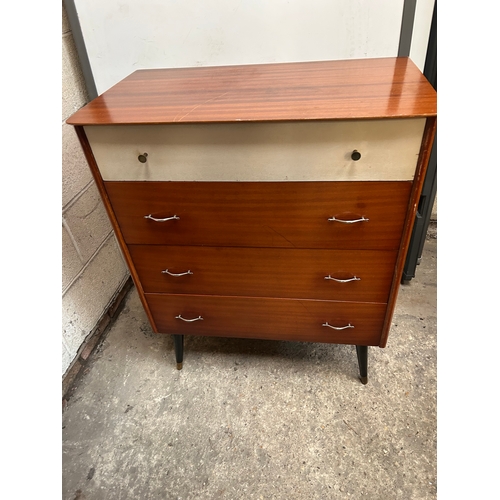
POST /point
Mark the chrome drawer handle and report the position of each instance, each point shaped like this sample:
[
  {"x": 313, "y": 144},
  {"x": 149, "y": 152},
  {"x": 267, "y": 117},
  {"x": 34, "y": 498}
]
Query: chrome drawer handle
[
  {"x": 354, "y": 278},
  {"x": 363, "y": 219},
  {"x": 188, "y": 320},
  {"x": 166, "y": 271},
  {"x": 337, "y": 327},
  {"x": 161, "y": 220}
]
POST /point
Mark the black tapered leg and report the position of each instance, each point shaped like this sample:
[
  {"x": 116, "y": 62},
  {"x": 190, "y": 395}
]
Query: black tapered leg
[
  {"x": 179, "y": 350},
  {"x": 362, "y": 352}
]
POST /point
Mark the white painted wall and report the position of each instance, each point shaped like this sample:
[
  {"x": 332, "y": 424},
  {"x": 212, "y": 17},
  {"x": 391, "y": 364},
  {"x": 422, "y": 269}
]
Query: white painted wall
[
  {"x": 132, "y": 34},
  {"x": 421, "y": 31}
]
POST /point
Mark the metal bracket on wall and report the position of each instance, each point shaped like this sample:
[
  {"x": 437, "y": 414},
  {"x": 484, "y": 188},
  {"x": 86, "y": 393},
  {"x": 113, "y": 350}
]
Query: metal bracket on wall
[{"x": 429, "y": 188}]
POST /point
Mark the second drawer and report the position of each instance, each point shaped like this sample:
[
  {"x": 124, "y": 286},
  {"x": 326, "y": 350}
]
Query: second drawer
[{"x": 359, "y": 275}]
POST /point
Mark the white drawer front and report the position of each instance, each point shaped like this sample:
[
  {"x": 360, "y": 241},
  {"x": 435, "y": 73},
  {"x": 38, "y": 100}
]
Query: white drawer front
[{"x": 278, "y": 151}]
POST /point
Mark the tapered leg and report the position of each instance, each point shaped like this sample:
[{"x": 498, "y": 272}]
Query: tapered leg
[
  {"x": 179, "y": 350},
  {"x": 362, "y": 352}
]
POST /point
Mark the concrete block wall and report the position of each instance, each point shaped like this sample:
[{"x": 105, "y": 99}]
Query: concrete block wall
[{"x": 94, "y": 270}]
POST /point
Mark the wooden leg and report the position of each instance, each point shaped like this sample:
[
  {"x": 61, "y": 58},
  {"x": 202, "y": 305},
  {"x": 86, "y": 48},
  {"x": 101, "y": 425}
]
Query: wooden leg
[
  {"x": 179, "y": 350},
  {"x": 362, "y": 352}
]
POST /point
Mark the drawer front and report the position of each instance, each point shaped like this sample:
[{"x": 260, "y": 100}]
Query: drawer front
[
  {"x": 358, "y": 275},
  {"x": 286, "y": 151},
  {"x": 262, "y": 214},
  {"x": 264, "y": 318}
]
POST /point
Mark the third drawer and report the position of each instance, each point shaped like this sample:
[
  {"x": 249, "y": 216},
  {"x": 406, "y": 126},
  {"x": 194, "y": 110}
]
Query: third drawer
[
  {"x": 359, "y": 275},
  {"x": 265, "y": 318}
]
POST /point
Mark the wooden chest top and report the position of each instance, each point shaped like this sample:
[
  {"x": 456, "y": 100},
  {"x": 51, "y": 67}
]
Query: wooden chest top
[{"x": 322, "y": 90}]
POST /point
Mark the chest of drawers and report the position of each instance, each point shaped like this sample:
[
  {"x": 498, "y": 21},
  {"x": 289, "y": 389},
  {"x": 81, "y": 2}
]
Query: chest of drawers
[{"x": 265, "y": 201}]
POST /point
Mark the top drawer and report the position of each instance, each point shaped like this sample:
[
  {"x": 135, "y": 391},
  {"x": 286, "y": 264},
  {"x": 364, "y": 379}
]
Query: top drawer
[
  {"x": 356, "y": 215},
  {"x": 278, "y": 151}
]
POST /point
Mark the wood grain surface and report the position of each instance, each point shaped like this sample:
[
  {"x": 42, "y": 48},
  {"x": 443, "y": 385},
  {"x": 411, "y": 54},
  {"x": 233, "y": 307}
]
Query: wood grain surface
[
  {"x": 264, "y": 318},
  {"x": 266, "y": 272},
  {"x": 348, "y": 89},
  {"x": 255, "y": 214}
]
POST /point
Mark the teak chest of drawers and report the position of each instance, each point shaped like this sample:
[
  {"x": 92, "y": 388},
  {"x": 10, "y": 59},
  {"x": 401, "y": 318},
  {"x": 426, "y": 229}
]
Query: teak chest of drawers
[{"x": 269, "y": 201}]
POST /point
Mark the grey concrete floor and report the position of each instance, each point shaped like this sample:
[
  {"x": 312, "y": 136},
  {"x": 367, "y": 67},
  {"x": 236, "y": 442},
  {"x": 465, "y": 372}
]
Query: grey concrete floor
[{"x": 250, "y": 419}]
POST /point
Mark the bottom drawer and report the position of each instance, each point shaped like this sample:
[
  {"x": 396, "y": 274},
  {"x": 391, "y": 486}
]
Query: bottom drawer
[{"x": 268, "y": 318}]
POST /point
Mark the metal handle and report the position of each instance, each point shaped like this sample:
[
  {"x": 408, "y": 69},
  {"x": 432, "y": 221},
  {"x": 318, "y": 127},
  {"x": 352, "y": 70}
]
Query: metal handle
[
  {"x": 161, "y": 220},
  {"x": 176, "y": 275},
  {"x": 354, "y": 278},
  {"x": 337, "y": 327},
  {"x": 363, "y": 219},
  {"x": 188, "y": 320},
  {"x": 143, "y": 158}
]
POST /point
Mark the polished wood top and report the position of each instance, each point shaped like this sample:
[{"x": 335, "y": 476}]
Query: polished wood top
[{"x": 348, "y": 89}]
